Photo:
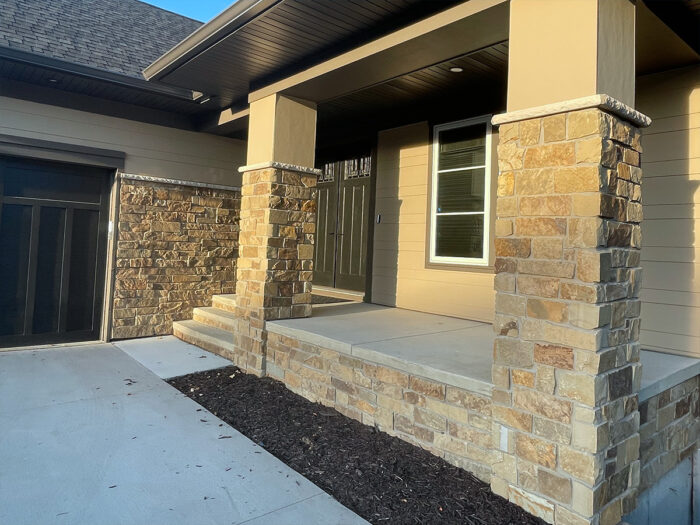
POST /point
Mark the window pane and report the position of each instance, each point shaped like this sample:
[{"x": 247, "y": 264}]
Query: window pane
[
  {"x": 462, "y": 147},
  {"x": 459, "y": 236},
  {"x": 461, "y": 191}
]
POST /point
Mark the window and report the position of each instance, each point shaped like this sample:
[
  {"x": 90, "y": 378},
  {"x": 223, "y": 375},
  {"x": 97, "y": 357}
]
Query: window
[{"x": 461, "y": 183}]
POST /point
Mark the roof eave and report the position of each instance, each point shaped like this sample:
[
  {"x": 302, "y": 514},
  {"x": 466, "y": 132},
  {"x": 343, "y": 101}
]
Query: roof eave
[
  {"x": 63, "y": 66},
  {"x": 234, "y": 17}
]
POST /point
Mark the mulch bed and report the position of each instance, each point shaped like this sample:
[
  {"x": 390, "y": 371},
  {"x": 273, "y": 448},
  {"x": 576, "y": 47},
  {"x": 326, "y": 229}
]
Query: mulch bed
[{"x": 381, "y": 478}]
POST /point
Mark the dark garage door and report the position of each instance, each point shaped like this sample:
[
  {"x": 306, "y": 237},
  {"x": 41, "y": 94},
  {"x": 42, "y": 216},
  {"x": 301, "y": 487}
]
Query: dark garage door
[{"x": 53, "y": 232}]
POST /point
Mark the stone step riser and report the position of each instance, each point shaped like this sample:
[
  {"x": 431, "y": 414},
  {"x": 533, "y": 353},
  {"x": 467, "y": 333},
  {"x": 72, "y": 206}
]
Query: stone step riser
[
  {"x": 224, "y": 303},
  {"x": 216, "y": 346},
  {"x": 213, "y": 320}
]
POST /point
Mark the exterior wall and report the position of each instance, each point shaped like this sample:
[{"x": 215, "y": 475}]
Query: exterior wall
[
  {"x": 452, "y": 423},
  {"x": 156, "y": 151},
  {"x": 670, "y": 254},
  {"x": 669, "y": 427},
  {"x": 399, "y": 273},
  {"x": 176, "y": 246}
]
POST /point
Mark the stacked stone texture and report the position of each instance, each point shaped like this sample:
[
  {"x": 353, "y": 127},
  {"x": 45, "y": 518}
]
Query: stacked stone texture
[
  {"x": 275, "y": 267},
  {"x": 669, "y": 427},
  {"x": 176, "y": 247},
  {"x": 566, "y": 367},
  {"x": 450, "y": 422}
]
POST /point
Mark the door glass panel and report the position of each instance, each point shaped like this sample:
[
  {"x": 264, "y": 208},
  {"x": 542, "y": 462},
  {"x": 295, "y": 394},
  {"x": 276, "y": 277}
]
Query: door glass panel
[
  {"x": 48, "y": 270},
  {"x": 15, "y": 233},
  {"x": 83, "y": 261},
  {"x": 460, "y": 191},
  {"x": 459, "y": 236}
]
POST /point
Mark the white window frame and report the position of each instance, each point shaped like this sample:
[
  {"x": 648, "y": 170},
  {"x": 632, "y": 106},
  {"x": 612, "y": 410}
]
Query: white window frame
[{"x": 464, "y": 261}]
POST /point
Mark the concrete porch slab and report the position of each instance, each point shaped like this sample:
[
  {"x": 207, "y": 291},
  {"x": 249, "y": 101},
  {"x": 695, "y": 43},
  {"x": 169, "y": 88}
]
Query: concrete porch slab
[
  {"x": 88, "y": 435},
  {"x": 457, "y": 352},
  {"x": 168, "y": 356}
]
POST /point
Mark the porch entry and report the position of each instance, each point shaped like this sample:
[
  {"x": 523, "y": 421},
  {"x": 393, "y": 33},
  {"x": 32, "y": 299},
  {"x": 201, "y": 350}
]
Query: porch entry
[
  {"x": 343, "y": 223},
  {"x": 53, "y": 239}
]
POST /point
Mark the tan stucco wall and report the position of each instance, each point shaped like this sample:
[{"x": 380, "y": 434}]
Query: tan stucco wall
[
  {"x": 671, "y": 196},
  {"x": 583, "y": 47},
  {"x": 399, "y": 274},
  {"x": 151, "y": 150}
]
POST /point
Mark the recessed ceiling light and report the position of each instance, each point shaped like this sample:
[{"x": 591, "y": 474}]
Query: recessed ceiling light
[
  {"x": 53, "y": 80},
  {"x": 456, "y": 69}
]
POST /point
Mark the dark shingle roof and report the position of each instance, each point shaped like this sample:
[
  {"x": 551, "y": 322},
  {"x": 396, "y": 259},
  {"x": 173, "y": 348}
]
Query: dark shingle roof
[{"x": 121, "y": 36}]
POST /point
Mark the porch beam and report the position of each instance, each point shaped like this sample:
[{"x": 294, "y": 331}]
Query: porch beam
[{"x": 454, "y": 32}]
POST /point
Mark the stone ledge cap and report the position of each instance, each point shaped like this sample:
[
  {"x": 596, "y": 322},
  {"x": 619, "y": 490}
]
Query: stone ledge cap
[
  {"x": 178, "y": 182},
  {"x": 280, "y": 166},
  {"x": 604, "y": 102}
]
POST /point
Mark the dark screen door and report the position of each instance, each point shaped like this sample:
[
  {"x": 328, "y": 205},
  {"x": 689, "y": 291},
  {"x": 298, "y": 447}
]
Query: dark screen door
[
  {"x": 53, "y": 233},
  {"x": 343, "y": 221}
]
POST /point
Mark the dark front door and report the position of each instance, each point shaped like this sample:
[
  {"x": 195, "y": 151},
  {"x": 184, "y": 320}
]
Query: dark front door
[
  {"x": 53, "y": 233},
  {"x": 343, "y": 222}
]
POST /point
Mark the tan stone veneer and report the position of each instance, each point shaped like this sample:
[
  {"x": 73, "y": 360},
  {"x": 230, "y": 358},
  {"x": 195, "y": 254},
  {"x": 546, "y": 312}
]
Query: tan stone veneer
[
  {"x": 176, "y": 247},
  {"x": 566, "y": 358},
  {"x": 278, "y": 221}
]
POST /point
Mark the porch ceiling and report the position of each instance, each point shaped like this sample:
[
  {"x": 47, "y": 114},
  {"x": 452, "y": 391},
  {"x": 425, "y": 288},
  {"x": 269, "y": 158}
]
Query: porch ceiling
[{"x": 421, "y": 94}]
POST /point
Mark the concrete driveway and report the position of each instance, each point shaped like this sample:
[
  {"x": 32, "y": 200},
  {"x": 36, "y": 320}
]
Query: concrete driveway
[{"x": 90, "y": 436}]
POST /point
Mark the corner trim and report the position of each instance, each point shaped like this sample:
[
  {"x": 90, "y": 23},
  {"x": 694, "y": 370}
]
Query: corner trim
[
  {"x": 280, "y": 166},
  {"x": 602, "y": 101},
  {"x": 191, "y": 183},
  {"x": 60, "y": 152}
]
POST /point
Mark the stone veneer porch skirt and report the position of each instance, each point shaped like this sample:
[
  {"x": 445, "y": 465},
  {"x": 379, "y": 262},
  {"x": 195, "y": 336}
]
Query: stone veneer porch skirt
[{"x": 427, "y": 379}]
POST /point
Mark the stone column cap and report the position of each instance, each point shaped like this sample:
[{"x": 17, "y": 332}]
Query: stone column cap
[
  {"x": 280, "y": 166},
  {"x": 602, "y": 101}
]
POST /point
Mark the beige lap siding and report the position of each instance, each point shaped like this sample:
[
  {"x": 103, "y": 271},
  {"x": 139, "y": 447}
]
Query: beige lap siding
[
  {"x": 450, "y": 422},
  {"x": 176, "y": 246},
  {"x": 400, "y": 276},
  {"x": 671, "y": 226},
  {"x": 155, "y": 151}
]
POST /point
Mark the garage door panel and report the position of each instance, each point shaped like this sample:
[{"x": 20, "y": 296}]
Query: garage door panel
[
  {"x": 15, "y": 232},
  {"x": 53, "y": 238}
]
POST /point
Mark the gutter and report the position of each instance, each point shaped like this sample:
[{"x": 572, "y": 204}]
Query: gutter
[
  {"x": 91, "y": 73},
  {"x": 218, "y": 28}
]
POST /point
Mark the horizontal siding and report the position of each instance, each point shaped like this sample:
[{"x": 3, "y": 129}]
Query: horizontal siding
[
  {"x": 399, "y": 274},
  {"x": 157, "y": 151},
  {"x": 671, "y": 227}
]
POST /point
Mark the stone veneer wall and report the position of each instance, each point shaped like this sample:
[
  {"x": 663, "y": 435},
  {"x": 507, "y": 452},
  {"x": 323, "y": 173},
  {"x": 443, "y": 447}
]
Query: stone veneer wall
[
  {"x": 450, "y": 422},
  {"x": 669, "y": 429},
  {"x": 566, "y": 356},
  {"x": 176, "y": 246}
]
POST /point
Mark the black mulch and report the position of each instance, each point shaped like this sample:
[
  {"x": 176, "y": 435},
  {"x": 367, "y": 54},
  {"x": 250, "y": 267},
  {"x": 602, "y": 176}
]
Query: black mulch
[{"x": 381, "y": 478}]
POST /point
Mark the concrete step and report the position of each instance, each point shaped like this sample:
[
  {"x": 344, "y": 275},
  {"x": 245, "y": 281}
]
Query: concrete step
[
  {"x": 210, "y": 338},
  {"x": 215, "y": 317},
  {"x": 225, "y": 302}
]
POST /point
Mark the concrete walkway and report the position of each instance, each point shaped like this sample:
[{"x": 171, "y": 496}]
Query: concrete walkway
[{"x": 88, "y": 435}]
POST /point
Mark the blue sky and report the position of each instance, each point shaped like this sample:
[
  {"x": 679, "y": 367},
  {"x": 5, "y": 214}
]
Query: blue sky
[{"x": 203, "y": 10}]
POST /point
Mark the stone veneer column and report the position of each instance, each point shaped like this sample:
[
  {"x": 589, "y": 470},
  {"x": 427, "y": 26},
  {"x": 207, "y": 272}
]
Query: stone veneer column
[
  {"x": 274, "y": 271},
  {"x": 566, "y": 356}
]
